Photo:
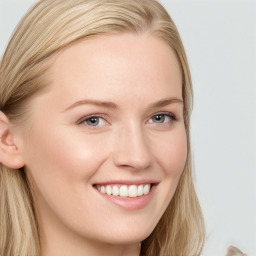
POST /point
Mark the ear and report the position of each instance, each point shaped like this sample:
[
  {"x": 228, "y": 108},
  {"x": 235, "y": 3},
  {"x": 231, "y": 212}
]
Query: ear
[{"x": 10, "y": 154}]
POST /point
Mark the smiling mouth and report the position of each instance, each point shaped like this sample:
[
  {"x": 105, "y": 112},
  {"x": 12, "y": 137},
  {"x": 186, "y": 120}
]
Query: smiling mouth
[{"x": 120, "y": 190}]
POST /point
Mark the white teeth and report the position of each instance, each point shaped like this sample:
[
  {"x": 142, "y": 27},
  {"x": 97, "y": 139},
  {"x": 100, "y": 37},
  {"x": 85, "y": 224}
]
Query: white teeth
[
  {"x": 140, "y": 190},
  {"x": 102, "y": 189},
  {"x": 146, "y": 189},
  {"x": 125, "y": 190},
  {"x": 115, "y": 191},
  {"x": 108, "y": 190},
  {"x": 133, "y": 191}
]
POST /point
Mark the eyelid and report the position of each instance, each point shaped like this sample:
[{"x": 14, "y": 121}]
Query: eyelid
[
  {"x": 173, "y": 116},
  {"x": 103, "y": 116},
  {"x": 81, "y": 120}
]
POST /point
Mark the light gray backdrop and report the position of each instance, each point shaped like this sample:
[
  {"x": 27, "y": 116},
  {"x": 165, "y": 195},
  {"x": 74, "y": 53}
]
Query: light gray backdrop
[{"x": 220, "y": 40}]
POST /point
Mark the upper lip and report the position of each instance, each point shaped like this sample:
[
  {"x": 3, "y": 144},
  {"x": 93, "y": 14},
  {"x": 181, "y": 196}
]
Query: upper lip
[{"x": 127, "y": 182}]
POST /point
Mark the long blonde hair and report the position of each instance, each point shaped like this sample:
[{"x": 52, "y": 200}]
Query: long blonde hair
[{"x": 48, "y": 27}]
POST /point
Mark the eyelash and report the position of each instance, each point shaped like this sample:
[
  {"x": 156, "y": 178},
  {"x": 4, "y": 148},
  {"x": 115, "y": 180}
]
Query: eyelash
[
  {"x": 97, "y": 116},
  {"x": 165, "y": 114},
  {"x": 86, "y": 118}
]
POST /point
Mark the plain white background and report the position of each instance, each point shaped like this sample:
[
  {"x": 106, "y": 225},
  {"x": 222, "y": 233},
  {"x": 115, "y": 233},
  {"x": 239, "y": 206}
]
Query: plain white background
[{"x": 220, "y": 40}]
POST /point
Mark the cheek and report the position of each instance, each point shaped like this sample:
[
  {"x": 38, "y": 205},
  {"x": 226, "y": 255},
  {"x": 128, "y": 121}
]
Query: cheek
[
  {"x": 63, "y": 152},
  {"x": 172, "y": 154},
  {"x": 60, "y": 163},
  {"x": 170, "y": 151}
]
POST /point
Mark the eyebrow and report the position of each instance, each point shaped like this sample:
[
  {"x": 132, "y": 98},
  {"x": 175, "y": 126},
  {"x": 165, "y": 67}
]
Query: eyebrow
[
  {"x": 112, "y": 105},
  {"x": 165, "y": 102},
  {"x": 99, "y": 103}
]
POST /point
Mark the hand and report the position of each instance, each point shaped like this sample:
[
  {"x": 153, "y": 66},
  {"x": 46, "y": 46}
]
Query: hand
[{"x": 233, "y": 251}]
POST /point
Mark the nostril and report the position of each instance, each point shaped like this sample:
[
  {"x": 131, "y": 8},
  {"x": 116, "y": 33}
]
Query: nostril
[
  {"x": 133, "y": 153},
  {"x": 133, "y": 163}
]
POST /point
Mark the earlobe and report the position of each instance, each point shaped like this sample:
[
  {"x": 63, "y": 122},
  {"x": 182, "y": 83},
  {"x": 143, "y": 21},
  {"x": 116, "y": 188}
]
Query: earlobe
[{"x": 10, "y": 154}]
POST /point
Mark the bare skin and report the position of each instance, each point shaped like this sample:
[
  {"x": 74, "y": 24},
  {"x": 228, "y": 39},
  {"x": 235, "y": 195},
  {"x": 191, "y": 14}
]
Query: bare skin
[
  {"x": 72, "y": 142},
  {"x": 234, "y": 251}
]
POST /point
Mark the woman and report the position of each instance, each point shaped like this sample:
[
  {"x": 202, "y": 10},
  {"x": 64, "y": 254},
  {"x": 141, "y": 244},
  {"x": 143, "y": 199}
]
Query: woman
[{"x": 95, "y": 151}]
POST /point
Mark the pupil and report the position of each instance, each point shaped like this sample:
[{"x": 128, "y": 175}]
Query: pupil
[
  {"x": 93, "y": 120},
  {"x": 159, "y": 118}
]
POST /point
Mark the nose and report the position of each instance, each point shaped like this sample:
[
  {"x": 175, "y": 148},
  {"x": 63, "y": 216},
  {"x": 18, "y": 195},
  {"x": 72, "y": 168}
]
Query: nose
[{"x": 132, "y": 148}]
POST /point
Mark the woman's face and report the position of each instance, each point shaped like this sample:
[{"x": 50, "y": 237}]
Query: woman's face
[{"x": 111, "y": 120}]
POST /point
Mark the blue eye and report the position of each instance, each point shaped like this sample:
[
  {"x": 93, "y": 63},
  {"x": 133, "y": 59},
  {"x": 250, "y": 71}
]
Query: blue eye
[
  {"x": 159, "y": 118},
  {"x": 162, "y": 118},
  {"x": 93, "y": 121}
]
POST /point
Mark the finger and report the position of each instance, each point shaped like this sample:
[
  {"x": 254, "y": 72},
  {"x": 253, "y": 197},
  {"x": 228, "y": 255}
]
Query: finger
[{"x": 234, "y": 251}]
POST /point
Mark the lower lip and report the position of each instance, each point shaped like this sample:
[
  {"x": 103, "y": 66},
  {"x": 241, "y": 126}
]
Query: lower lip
[{"x": 130, "y": 203}]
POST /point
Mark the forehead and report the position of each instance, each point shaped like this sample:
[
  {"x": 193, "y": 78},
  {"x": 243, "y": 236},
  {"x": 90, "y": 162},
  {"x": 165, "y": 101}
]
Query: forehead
[{"x": 117, "y": 64}]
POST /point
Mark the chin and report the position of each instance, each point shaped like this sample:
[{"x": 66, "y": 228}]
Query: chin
[{"x": 128, "y": 236}]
